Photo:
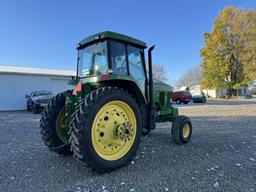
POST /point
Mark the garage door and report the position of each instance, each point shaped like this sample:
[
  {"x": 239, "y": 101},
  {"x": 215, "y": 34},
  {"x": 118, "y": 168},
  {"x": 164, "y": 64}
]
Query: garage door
[{"x": 59, "y": 85}]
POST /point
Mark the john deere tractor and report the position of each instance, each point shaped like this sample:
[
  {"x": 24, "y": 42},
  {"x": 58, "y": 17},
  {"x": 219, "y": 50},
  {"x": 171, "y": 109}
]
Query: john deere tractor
[{"x": 115, "y": 101}]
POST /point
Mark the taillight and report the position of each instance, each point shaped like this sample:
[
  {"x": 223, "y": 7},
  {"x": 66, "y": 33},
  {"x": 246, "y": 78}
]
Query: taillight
[
  {"x": 105, "y": 76},
  {"x": 78, "y": 88}
]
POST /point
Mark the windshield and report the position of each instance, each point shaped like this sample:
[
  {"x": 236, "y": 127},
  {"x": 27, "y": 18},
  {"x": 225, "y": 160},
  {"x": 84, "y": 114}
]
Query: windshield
[{"x": 93, "y": 60}]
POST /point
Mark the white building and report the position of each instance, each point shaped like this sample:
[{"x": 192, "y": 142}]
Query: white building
[
  {"x": 16, "y": 82},
  {"x": 214, "y": 93},
  {"x": 220, "y": 93}
]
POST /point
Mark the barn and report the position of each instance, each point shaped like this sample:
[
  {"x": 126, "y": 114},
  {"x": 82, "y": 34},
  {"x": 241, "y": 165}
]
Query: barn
[{"x": 16, "y": 82}]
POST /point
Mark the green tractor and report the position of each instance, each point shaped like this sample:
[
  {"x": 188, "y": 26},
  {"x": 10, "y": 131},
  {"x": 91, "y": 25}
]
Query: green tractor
[{"x": 115, "y": 101}]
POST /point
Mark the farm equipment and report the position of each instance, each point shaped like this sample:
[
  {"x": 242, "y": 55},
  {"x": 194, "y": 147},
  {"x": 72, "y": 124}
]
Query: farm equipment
[{"x": 115, "y": 101}]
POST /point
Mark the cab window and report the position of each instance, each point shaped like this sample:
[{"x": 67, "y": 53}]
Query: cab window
[
  {"x": 93, "y": 60},
  {"x": 135, "y": 62},
  {"x": 118, "y": 58}
]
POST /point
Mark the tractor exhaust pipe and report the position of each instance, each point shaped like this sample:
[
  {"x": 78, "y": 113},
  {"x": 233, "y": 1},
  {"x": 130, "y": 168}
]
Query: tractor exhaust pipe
[{"x": 151, "y": 115}]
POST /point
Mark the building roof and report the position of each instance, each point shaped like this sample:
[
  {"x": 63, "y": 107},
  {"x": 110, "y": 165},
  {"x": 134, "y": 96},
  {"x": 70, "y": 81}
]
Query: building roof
[
  {"x": 112, "y": 35},
  {"x": 184, "y": 88},
  {"x": 35, "y": 71}
]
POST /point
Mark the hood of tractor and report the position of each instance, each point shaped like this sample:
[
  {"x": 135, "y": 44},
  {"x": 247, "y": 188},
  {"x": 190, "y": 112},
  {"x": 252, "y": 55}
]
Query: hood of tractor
[{"x": 161, "y": 86}]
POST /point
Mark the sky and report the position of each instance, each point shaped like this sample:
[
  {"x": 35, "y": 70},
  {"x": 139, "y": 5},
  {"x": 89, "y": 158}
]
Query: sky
[{"x": 43, "y": 33}]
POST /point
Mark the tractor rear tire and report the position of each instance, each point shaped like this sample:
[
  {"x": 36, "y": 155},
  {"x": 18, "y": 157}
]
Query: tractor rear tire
[
  {"x": 48, "y": 125},
  {"x": 178, "y": 101},
  {"x": 181, "y": 130},
  {"x": 95, "y": 135}
]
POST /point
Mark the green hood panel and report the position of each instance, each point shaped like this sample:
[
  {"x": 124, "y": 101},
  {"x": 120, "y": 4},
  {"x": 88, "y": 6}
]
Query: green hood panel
[{"x": 161, "y": 86}]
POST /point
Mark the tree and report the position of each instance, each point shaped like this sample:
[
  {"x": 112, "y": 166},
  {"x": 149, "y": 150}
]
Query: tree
[
  {"x": 159, "y": 72},
  {"x": 191, "y": 77},
  {"x": 229, "y": 59}
]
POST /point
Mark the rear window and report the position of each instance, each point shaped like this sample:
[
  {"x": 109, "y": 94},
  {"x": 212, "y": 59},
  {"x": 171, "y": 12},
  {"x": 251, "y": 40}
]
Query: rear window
[
  {"x": 177, "y": 93},
  {"x": 45, "y": 93},
  {"x": 182, "y": 93}
]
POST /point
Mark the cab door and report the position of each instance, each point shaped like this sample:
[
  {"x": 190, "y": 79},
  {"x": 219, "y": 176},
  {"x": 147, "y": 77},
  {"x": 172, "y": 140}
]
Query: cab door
[{"x": 136, "y": 69}]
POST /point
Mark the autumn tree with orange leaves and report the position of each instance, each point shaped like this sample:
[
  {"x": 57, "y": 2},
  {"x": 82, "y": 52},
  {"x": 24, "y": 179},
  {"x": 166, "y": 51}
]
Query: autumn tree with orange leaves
[{"x": 229, "y": 51}]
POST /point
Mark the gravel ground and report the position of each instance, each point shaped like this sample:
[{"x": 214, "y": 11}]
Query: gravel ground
[{"x": 220, "y": 157}]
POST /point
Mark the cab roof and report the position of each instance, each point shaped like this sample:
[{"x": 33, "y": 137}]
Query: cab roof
[{"x": 111, "y": 35}]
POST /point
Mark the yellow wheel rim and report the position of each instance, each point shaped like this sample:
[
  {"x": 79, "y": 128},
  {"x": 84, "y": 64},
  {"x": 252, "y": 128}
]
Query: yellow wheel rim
[
  {"x": 114, "y": 130},
  {"x": 186, "y": 130},
  {"x": 60, "y": 121}
]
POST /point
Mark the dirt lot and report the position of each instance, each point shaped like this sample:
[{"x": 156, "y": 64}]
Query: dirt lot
[{"x": 220, "y": 157}]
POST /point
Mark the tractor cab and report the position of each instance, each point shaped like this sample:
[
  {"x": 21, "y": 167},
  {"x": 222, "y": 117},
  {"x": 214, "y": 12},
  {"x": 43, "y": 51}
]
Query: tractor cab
[
  {"x": 111, "y": 53},
  {"x": 110, "y": 58}
]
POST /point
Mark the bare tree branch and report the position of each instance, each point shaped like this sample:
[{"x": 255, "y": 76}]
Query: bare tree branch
[
  {"x": 191, "y": 77},
  {"x": 159, "y": 73}
]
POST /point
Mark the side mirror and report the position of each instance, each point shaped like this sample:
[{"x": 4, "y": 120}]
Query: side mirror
[{"x": 26, "y": 96}]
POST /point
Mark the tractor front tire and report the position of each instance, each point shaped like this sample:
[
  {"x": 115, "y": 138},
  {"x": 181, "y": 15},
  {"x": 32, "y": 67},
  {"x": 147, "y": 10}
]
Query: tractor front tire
[
  {"x": 181, "y": 130},
  {"x": 35, "y": 109},
  {"x": 106, "y": 130},
  {"x": 48, "y": 125},
  {"x": 28, "y": 108}
]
